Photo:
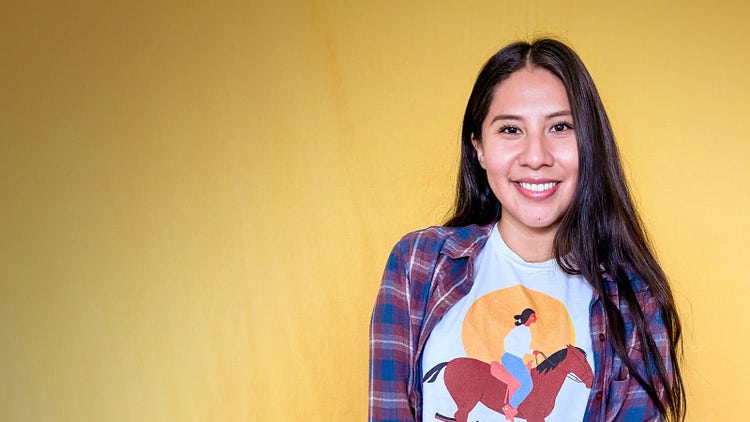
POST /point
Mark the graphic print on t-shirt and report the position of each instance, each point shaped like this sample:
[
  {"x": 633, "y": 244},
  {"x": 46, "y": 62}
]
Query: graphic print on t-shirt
[
  {"x": 478, "y": 362},
  {"x": 490, "y": 319},
  {"x": 518, "y": 355}
]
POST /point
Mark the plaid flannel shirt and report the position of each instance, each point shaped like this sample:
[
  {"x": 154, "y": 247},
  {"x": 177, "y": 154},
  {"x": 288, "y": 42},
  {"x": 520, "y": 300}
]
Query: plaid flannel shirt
[{"x": 428, "y": 272}]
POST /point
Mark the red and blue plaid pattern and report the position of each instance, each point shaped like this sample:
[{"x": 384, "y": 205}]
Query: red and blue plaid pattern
[{"x": 428, "y": 272}]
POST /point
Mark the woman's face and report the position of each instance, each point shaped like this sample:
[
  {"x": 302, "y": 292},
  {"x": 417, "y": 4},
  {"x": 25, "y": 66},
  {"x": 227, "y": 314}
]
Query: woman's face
[{"x": 528, "y": 148}]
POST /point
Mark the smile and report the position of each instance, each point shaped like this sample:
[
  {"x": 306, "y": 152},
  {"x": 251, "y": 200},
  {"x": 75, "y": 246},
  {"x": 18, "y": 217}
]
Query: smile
[{"x": 538, "y": 187}]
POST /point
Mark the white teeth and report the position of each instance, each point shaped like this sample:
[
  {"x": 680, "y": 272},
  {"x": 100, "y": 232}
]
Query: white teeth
[{"x": 537, "y": 187}]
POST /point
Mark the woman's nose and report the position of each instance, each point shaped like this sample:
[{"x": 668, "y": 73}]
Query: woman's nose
[{"x": 536, "y": 152}]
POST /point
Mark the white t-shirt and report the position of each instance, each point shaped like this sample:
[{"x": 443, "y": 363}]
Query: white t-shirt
[
  {"x": 482, "y": 325},
  {"x": 518, "y": 341}
]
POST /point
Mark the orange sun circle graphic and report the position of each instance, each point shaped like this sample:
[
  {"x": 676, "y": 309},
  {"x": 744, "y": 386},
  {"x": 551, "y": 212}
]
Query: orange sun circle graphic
[{"x": 490, "y": 319}]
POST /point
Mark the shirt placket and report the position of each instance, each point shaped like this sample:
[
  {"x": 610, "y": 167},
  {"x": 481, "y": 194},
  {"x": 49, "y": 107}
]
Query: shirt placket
[{"x": 603, "y": 355}]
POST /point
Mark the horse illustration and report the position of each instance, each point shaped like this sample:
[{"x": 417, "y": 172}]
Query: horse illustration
[{"x": 469, "y": 382}]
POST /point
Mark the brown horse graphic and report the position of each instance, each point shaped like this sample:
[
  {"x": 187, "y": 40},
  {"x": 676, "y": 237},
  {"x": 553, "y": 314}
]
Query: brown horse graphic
[{"x": 469, "y": 382}]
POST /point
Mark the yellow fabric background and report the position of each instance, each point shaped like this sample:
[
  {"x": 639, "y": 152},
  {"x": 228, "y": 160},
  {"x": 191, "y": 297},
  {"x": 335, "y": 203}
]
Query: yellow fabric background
[{"x": 198, "y": 198}]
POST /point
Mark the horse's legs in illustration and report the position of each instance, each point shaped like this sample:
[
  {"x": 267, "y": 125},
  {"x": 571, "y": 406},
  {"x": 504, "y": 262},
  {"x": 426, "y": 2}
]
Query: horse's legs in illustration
[
  {"x": 440, "y": 417},
  {"x": 465, "y": 406},
  {"x": 462, "y": 414}
]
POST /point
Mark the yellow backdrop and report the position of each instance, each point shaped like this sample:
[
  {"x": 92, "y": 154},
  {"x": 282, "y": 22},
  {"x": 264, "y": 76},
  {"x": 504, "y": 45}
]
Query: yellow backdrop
[{"x": 198, "y": 198}]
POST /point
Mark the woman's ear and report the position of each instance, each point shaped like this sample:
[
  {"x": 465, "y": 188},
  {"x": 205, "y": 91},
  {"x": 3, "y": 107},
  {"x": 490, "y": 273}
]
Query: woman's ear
[{"x": 478, "y": 148}]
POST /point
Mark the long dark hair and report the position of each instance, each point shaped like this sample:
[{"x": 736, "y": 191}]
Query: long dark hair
[{"x": 600, "y": 236}]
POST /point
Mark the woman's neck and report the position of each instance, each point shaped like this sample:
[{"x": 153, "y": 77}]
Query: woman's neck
[{"x": 532, "y": 245}]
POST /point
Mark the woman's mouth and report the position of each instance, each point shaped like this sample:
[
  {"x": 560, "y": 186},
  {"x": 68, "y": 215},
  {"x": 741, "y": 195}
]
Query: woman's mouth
[
  {"x": 537, "y": 190},
  {"x": 538, "y": 187}
]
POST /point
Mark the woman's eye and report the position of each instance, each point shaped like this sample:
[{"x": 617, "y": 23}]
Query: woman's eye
[
  {"x": 510, "y": 130},
  {"x": 560, "y": 127}
]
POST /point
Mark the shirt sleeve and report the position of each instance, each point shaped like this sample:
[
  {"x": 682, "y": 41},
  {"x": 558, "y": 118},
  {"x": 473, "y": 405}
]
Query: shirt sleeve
[{"x": 392, "y": 343}]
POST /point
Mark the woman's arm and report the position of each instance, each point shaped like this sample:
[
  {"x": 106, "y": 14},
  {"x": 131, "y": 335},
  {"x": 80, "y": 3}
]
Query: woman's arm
[{"x": 392, "y": 343}]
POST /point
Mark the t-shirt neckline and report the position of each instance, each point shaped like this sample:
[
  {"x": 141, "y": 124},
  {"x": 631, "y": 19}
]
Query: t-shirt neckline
[{"x": 497, "y": 243}]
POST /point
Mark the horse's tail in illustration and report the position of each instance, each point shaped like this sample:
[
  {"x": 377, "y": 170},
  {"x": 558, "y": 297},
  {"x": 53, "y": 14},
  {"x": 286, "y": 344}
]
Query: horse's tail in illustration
[{"x": 433, "y": 373}]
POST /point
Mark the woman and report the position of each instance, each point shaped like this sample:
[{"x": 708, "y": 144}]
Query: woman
[
  {"x": 542, "y": 208},
  {"x": 517, "y": 343}
]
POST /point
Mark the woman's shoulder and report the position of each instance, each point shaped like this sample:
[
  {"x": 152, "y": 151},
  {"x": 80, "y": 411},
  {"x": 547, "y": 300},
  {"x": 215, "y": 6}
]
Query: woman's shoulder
[
  {"x": 416, "y": 255},
  {"x": 642, "y": 291},
  {"x": 636, "y": 283},
  {"x": 454, "y": 241}
]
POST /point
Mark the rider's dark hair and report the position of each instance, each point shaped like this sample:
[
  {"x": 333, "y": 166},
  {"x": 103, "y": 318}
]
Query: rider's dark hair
[
  {"x": 523, "y": 316},
  {"x": 600, "y": 235}
]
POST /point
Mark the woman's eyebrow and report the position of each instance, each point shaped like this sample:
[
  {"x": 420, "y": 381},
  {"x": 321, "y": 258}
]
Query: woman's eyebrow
[
  {"x": 560, "y": 113},
  {"x": 505, "y": 117}
]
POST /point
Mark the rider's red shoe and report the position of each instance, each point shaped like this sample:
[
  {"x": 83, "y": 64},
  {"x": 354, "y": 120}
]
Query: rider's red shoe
[{"x": 510, "y": 412}]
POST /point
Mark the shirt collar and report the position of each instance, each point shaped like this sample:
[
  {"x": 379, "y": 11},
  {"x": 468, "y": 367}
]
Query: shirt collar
[{"x": 466, "y": 241}]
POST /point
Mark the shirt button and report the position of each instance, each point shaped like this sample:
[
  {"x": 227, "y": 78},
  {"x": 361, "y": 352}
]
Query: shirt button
[
  {"x": 602, "y": 337},
  {"x": 598, "y": 395}
]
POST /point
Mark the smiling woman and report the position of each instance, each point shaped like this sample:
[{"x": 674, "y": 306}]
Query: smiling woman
[
  {"x": 543, "y": 221},
  {"x": 528, "y": 147}
]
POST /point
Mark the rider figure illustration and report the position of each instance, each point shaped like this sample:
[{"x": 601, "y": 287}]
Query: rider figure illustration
[{"x": 517, "y": 343}]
